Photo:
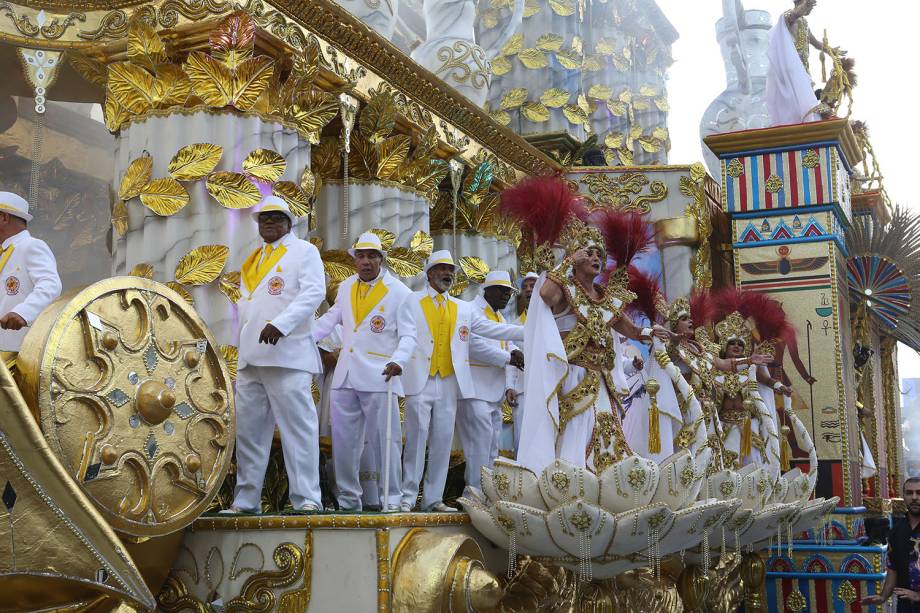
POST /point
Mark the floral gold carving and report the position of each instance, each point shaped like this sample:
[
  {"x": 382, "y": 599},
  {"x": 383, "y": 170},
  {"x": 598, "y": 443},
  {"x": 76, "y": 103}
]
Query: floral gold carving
[
  {"x": 810, "y": 159},
  {"x": 796, "y": 601},
  {"x": 621, "y": 191},
  {"x": 734, "y": 168},
  {"x": 49, "y": 29},
  {"x": 773, "y": 184},
  {"x": 464, "y": 62},
  {"x": 294, "y": 564}
]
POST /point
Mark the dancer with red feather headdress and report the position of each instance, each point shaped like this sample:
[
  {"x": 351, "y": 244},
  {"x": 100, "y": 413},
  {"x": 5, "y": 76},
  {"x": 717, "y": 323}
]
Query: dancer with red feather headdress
[{"x": 571, "y": 408}]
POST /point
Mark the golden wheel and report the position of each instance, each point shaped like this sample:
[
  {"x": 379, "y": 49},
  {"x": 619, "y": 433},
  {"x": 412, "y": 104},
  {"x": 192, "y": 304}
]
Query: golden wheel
[{"x": 133, "y": 396}]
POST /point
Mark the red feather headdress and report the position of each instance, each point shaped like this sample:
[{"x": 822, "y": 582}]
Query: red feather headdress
[
  {"x": 648, "y": 295},
  {"x": 626, "y": 234},
  {"x": 702, "y": 308},
  {"x": 767, "y": 313},
  {"x": 543, "y": 204}
]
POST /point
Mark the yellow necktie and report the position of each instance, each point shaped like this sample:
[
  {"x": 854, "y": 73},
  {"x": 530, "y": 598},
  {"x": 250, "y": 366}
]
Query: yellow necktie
[
  {"x": 268, "y": 252},
  {"x": 440, "y": 300},
  {"x": 363, "y": 289}
]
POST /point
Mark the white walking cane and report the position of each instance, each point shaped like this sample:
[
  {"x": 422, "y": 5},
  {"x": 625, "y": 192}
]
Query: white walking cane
[{"x": 386, "y": 453}]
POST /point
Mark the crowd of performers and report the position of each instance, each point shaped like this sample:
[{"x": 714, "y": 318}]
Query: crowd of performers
[{"x": 566, "y": 366}]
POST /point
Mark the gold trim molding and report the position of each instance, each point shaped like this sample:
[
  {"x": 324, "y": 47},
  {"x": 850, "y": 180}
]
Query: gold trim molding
[{"x": 331, "y": 520}]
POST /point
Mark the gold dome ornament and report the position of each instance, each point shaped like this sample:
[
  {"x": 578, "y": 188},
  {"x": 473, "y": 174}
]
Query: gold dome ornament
[{"x": 134, "y": 398}]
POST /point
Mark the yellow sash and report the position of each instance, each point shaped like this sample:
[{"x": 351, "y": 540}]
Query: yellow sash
[
  {"x": 253, "y": 272},
  {"x": 5, "y": 255},
  {"x": 360, "y": 307},
  {"x": 441, "y": 325},
  {"x": 497, "y": 318}
]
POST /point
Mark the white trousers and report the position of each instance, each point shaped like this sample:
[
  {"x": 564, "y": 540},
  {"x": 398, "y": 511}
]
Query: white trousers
[
  {"x": 357, "y": 416},
  {"x": 265, "y": 396},
  {"x": 479, "y": 424},
  {"x": 430, "y": 419}
]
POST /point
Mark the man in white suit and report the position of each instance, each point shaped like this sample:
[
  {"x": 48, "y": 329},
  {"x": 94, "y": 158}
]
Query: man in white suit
[
  {"x": 436, "y": 375},
  {"x": 282, "y": 283},
  {"x": 377, "y": 340},
  {"x": 28, "y": 272},
  {"x": 479, "y": 418}
]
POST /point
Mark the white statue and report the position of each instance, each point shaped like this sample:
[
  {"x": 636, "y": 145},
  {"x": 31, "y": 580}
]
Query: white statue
[
  {"x": 450, "y": 49},
  {"x": 744, "y": 39}
]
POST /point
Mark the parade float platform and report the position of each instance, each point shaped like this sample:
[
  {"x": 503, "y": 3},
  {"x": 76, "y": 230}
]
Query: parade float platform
[{"x": 332, "y": 561}]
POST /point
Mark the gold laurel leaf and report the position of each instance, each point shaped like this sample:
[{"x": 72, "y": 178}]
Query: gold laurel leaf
[
  {"x": 427, "y": 143},
  {"x": 391, "y": 154},
  {"x": 620, "y": 62},
  {"x": 578, "y": 45},
  {"x": 660, "y": 133},
  {"x": 193, "y": 162},
  {"x": 635, "y": 131},
  {"x": 233, "y": 190},
  {"x": 173, "y": 85},
  {"x": 202, "y": 265},
  {"x": 338, "y": 264},
  {"x": 640, "y": 104},
  {"x": 182, "y": 291},
  {"x": 662, "y": 104},
  {"x": 531, "y": 8},
  {"x": 386, "y": 237},
  {"x": 164, "y": 196},
  {"x": 500, "y": 117},
  {"x": 514, "y": 45},
  {"x": 120, "y": 218},
  {"x": 91, "y": 70},
  {"x": 575, "y": 114},
  {"x": 295, "y": 197},
  {"x": 422, "y": 244},
  {"x": 145, "y": 48},
  {"x": 626, "y": 156},
  {"x": 533, "y": 58},
  {"x": 460, "y": 283},
  {"x": 143, "y": 269},
  {"x": 650, "y": 144},
  {"x": 404, "y": 263},
  {"x": 432, "y": 177},
  {"x": 563, "y": 8},
  {"x": 614, "y": 140},
  {"x": 600, "y": 92},
  {"x": 264, "y": 165},
  {"x": 232, "y": 40},
  {"x": 231, "y": 357},
  {"x": 211, "y": 80},
  {"x": 250, "y": 81},
  {"x": 312, "y": 111},
  {"x": 308, "y": 183},
  {"x": 326, "y": 158},
  {"x": 474, "y": 268},
  {"x": 605, "y": 46},
  {"x": 616, "y": 107},
  {"x": 501, "y": 65},
  {"x": 229, "y": 285},
  {"x": 378, "y": 118},
  {"x": 136, "y": 176},
  {"x": 490, "y": 19},
  {"x": 535, "y": 111},
  {"x": 569, "y": 58},
  {"x": 593, "y": 63},
  {"x": 513, "y": 98},
  {"x": 113, "y": 113},
  {"x": 625, "y": 96},
  {"x": 555, "y": 97},
  {"x": 648, "y": 91},
  {"x": 697, "y": 172},
  {"x": 133, "y": 87},
  {"x": 550, "y": 42}
]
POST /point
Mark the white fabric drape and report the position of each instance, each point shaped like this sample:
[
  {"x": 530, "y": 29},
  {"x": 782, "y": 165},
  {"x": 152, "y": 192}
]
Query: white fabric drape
[{"x": 790, "y": 92}]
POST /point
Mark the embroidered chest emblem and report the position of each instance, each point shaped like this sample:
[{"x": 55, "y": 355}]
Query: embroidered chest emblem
[
  {"x": 378, "y": 323},
  {"x": 275, "y": 285},
  {"x": 464, "y": 333},
  {"x": 12, "y": 285}
]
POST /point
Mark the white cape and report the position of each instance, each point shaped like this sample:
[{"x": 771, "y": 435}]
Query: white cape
[{"x": 790, "y": 92}]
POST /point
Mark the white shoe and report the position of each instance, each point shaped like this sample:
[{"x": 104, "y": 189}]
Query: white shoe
[
  {"x": 405, "y": 507},
  {"x": 392, "y": 508},
  {"x": 236, "y": 511},
  {"x": 440, "y": 507},
  {"x": 309, "y": 508}
]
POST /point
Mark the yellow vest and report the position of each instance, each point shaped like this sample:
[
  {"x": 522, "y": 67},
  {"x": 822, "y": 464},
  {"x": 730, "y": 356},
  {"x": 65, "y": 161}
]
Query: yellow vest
[
  {"x": 364, "y": 299},
  {"x": 441, "y": 322}
]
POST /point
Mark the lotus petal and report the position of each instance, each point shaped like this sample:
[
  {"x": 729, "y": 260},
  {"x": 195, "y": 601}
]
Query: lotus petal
[
  {"x": 570, "y": 523},
  {"x": 512, "y": 483},
  {"x": 562, "y": 482},
  {"x": 780, "y": 490},
  {"x": 676, "y": 481},
  {"x": 628, "y": 484},
  {"x": 482, "y": 520},
  {"x": 635, "y": 527},
  {"x": 755, "y": 489},
  {"x": 530, "y": 527},
  {"x": 690, "y": 524},
  {"x": 766, "y": 522},
  {"x": 811, "y": 513},
  {"x": 724, "y": 485}
]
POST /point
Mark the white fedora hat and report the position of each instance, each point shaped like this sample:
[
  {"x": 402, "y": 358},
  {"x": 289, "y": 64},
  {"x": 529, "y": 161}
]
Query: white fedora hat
[
  {"x": 14, "y": 205},
  {"x": 500, "y": 278},
  {"x": 368, "y": 240},
  {"x": 439, "y": 257},
  {"x": 273, "y": 203}
]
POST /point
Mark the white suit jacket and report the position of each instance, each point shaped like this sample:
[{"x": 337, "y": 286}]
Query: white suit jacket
[
  {"x": 469, "y": 321},
  {"x": 30, "y": 283},
  {"x": 489, "y": 359},
  {"x": 386, "y": 334},
  {"x": 287, "y": 297}
]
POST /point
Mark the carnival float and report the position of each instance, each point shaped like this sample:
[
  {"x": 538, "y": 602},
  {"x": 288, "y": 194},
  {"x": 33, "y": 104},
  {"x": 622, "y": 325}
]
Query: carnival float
[{"x": 764, "y": 435}]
